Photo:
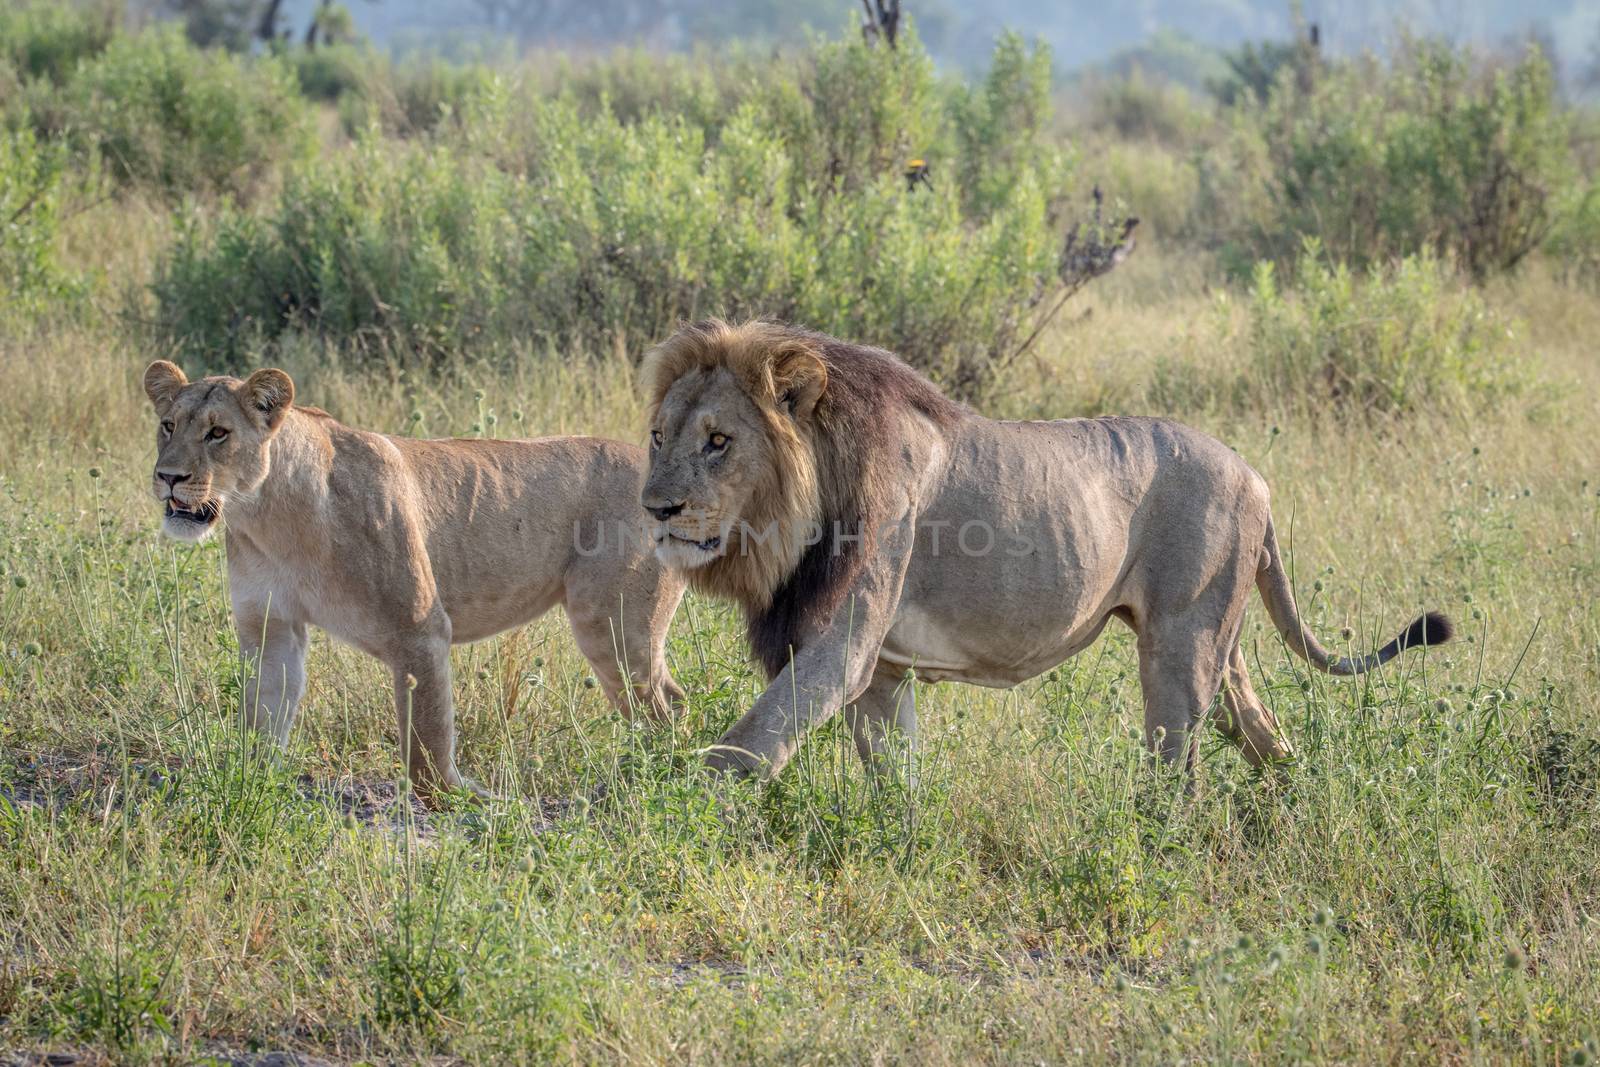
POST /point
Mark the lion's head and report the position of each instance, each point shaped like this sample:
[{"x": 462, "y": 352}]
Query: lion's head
[
  {"x": 733, "y": 481},
  {"x": 766, "y": 463},
  {"x": 211, "y": 442}
]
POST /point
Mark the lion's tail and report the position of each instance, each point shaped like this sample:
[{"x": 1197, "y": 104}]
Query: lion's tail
[{"x": 1272, "y": 580}]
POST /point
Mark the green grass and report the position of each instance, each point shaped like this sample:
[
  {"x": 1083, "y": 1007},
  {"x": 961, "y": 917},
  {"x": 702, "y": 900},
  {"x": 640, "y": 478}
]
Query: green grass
[{"x": 1424, "y": 887}]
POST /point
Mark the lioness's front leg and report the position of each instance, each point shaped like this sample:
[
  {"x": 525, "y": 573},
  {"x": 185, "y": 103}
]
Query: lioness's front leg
[
  {"x": 274, "y": 655},
  {"x": 426, "y": 712},
  {"x": 832, "y": 667}
]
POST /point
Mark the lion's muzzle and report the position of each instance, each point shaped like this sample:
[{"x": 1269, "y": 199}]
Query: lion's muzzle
[{"x": 688, "y": 540}]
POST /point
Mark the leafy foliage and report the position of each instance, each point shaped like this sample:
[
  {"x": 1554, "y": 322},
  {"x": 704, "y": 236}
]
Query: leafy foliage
[
  {"x": 1254, "y": 68},
  {"x": 541, "y": 218},
  {"x": 1431, "y": 154},
  {"x": 1400, "y": 339},
  {"x": 31, "y": 279},
  {"x": 186, "y": 120},
  {"x": 48, "y": 40}
]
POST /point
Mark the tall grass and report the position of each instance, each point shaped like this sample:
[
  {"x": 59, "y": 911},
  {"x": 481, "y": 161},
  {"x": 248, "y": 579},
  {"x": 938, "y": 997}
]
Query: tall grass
[
  {"x": 1042, "y": 890},
  {"x": 1421, "y": 888}
]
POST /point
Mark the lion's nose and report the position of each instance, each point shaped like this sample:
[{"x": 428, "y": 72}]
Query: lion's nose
[
  {"x": 664, "y": 513},
  {"x": 171, "y": 479}
]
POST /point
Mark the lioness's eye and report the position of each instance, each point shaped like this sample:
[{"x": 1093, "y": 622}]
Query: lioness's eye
[
  {"x": 655, "y": 438},
  {"x": 166, "y": 428},
  {"x": 217, "y": 433},
  {"x": 718, "y": 442}
]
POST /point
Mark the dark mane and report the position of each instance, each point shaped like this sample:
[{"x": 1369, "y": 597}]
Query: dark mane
[{"x": 855, "y": 442}]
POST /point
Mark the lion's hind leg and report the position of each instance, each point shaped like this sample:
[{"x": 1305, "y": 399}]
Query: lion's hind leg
[
  {"x": 1180, "y": 672},
  {"x": 1183, "y": 661},
  {"x": 1246, "y": 721},
  {"x": 884, "y": 722}
]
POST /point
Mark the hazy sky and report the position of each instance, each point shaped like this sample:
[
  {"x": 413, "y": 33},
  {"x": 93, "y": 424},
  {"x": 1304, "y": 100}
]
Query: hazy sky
[{"x": 1080, "y": 32}]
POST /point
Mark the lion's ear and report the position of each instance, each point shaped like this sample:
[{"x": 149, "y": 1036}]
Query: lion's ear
[
  {"x": 268, "y": 394},
  {"x": 162, "y": 380},
  {"x": 798, "y": 377}
]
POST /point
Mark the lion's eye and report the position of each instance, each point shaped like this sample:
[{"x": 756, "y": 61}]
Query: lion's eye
[
  {"x": 718, "y": 442},
  {"x": 166, "y": 428},
  {"x": 655, "y": 438},
  {"x": 217, "y": 433}
]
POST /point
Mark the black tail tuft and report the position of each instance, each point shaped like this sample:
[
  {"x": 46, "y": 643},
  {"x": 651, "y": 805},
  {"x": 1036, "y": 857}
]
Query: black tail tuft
[{"x": 1429, "y": 629}]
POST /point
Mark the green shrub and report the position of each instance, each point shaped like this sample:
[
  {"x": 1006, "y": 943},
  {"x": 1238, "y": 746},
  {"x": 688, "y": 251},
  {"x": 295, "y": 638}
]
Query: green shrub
[
  {"x": 1254, "y": 68},
  {"x": 187, "y": 120},
  {"x": 413, "y": 97},
  {"x": 1162, "y": 187},
  {"x": 704, "y": 87},
  {"x": 1168, "y": 56},
  {"x": 1000, "y": 128},
  {"x": 1574, "y": 238},
  {"x": 332, "y": 72},
  {"x": 30, "y": 193},
  {"x": 1397, "y": 339},
  {"x": 551, "y": 220},
  {"x": 1431, "y": 154},
  {"x": 1138, "y": 108},
  {"x": 48, "y": 39}
]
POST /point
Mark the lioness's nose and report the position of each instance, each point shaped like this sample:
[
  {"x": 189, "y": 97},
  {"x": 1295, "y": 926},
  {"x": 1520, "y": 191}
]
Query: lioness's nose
[
  {"x": 664, "y": 513},
  {"x": 171, "y": 479}
]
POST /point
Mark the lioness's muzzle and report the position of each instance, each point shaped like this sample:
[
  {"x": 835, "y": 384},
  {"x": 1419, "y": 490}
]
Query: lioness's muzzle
[{"x": 203, "y": 515}]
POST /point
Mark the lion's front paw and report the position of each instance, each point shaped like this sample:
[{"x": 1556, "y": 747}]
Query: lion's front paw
[{"x": 456, "y": 792}]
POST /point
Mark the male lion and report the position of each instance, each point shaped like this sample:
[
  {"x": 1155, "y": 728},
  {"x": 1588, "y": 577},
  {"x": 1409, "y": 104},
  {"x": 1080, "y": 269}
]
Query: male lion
[
  {"x": 870, "y": 526},
  {"x": 402, "y": 547}
]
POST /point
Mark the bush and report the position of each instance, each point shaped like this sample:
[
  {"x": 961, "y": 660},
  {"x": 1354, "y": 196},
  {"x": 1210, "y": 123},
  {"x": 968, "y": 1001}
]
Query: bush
[
  {"x": 1137, "y": 108},
  {"x": 542, "y": 219},
  {"x": 1254, "y": 68},
  {"x": 705, "y": 87},
  {"x": 30, "y": 186},
  {"x": 48, "y": 39},
  {"x": 1162, "y": 187},
  {"x": 1431, "y": 154},
  {"x": 331, "y": 72},
  {"x": 1168, "y": 56},
  {"x": 1574, "y": 238},
  {"x": 1399, "y": 339},
  {"x": 414, "y": 97},
  {"x": 162, "y": 112}
]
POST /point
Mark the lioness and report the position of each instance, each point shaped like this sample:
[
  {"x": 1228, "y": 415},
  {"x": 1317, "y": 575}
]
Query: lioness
[
  {"x": 402, "y": 547},
  {"x": 869, "y": 526}
]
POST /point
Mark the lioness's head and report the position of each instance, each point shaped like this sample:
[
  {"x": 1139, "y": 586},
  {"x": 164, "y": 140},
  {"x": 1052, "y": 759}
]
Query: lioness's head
[
  {"x": 211, "y": 442},
  {"x": 732, "y": 483}
]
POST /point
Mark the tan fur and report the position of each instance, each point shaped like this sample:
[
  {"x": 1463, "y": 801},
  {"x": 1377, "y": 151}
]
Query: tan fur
[
  {"x": 402, "y": 547},
  {"x": 984, "y": 552}
]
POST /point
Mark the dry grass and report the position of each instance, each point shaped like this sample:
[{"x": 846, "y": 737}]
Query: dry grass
[{"x": 1426, "y": 888}]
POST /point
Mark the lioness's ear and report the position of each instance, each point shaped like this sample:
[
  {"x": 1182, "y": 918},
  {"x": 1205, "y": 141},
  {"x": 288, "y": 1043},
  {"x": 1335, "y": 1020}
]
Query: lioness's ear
[
  {"x": 268, "y": 394},
  {"x": 162, "y": 380},
  {"x": 798, "y": 377}
]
